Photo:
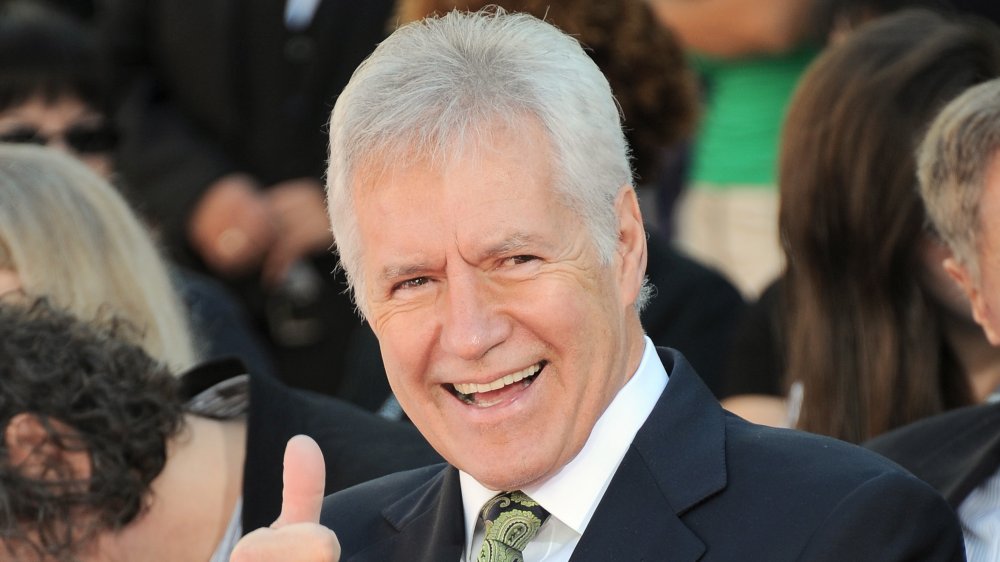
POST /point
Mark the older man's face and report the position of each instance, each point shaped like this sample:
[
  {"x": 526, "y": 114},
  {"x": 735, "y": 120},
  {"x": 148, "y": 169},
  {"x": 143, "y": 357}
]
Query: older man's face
[
  {"x": 503, "y": 334},
  {"x": 984, "y": 293}
]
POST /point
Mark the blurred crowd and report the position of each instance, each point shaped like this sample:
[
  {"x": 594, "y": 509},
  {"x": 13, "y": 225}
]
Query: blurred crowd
[{"x": 162, "y": 172}]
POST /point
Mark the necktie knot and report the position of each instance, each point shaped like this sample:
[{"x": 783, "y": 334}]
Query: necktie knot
[{"x": 512, "y": 519}]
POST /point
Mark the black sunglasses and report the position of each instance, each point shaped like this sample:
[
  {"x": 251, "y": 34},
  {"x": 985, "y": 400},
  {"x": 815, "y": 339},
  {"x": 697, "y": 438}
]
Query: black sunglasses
[{"x": 83, "y": 139}]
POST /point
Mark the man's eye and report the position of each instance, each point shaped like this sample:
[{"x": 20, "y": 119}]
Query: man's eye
[
  {"x": 410, "y": 283},
  {"x": 517, "y": 260}
]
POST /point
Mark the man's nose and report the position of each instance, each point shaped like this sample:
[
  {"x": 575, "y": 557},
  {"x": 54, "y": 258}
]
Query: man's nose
[{"x": 473, "y": 323}]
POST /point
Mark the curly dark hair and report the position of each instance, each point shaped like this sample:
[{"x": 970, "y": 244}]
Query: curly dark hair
[
  {"x": 91, "y": 391},
  {"x": 642, "y": 60}
]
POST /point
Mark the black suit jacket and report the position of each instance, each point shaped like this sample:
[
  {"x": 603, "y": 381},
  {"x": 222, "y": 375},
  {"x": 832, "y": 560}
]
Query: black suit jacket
[
  {"x": 954, "y": 452},
  {"x": 357, "y": 445},
  {"x": 697, "y": 483}
]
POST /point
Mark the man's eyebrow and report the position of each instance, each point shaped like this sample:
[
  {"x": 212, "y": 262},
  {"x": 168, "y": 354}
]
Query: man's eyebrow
[
  {"x": 392, "y": 272},
  {"x": 508, "y": 245}
]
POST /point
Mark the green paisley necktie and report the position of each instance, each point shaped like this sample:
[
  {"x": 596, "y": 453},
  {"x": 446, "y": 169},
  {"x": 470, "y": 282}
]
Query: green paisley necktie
[{"x": 512, "y": 520}]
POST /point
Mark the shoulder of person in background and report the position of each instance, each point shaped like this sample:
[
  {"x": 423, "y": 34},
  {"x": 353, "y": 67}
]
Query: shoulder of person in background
[
  {"x": 953, "y": 452},
  {"x": 693, "y": 308}
]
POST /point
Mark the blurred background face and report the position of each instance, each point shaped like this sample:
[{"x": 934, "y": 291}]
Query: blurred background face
[
  {"x": 935, "y": 280},
  {"x": 986, "y": 293},
  {"x": 65, "y": 123},
  {"x": 9, "y": 281}
]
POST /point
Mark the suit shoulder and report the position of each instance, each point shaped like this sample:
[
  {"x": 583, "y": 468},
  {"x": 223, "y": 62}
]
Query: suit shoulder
[
  {"x": 367, "y": 500},
  {"x": 953, "y": 452},
  {"x": 827, "y": 500},
  {"x": 789, "y": 457},
  {"x": 362, "y": 515},
  {"x": 920, "y": 439}
]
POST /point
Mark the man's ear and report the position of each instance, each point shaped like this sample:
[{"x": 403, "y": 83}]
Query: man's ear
[
  {"x": 35, "y": 448},
  {"x": 980, "y": 308},
  {"x": 631, "y": 244}
]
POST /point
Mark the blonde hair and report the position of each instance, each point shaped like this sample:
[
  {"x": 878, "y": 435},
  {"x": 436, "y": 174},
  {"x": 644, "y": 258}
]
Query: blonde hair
[{"x": 72, "y": 238}]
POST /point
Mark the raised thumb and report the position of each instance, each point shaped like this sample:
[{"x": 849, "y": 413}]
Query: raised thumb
[{"x": 304, "y": 480}]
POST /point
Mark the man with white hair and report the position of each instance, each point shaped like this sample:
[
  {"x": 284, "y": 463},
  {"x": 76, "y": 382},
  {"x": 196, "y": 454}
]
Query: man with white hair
[
  {"x": 958, "y": 452},
  {"x": 481, "y": 199}
]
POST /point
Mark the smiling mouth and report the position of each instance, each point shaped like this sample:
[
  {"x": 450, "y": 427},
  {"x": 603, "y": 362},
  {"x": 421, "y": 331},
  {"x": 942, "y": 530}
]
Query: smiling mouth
[{"x": 492, "y": 393}]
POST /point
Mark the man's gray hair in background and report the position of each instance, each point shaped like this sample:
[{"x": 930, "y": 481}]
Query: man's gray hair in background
[
  {"x": 439, "y": 86},
  {"x": 953, "y": 161}
]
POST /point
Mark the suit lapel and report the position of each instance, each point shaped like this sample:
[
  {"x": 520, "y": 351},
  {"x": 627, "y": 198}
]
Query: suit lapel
[
  {"x": 633, "y": 522},
  {"x": 676, "y": 461},
  {"x": 969, "y": 455},
  {"x": 429, "y": 524}
]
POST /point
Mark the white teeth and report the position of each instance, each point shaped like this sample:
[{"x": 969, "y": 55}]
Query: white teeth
[{"x": 473, "y": 388}]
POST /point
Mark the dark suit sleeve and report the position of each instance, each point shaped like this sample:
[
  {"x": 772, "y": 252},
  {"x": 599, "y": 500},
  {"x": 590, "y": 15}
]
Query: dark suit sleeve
[{"x": 892, "y": 517}]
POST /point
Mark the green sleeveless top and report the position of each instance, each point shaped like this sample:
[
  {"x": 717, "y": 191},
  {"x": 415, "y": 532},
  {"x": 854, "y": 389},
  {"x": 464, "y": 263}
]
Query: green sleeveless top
[{"x": 737, "y": 142}]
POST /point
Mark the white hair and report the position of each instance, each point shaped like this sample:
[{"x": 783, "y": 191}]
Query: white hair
[
  {"x": 952, "y": 164},
  {"x": 440, "y": 84}
]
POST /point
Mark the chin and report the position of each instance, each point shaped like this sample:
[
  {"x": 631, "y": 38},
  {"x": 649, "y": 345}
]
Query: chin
[
  {"x": 506, "y": 482},
  {"x": 506, "y": 478}
]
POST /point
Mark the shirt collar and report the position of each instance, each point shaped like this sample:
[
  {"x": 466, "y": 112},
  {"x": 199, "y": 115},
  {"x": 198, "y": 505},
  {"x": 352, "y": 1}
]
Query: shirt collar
[
  {"x": 231, "y": 536},
  {"x": 573, "y": 493}
]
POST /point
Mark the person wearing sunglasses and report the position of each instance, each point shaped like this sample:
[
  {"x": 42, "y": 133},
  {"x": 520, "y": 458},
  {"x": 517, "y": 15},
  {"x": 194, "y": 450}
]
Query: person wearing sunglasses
[
  {"x": 50, "y": 93},
  {"x": 85, "y": 137}
]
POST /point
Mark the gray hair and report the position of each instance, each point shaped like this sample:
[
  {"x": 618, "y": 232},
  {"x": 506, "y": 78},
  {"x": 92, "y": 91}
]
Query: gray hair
[
  {"x": 952, "y": 163},
  {"x": 440, "y": 84},
  {"x": 71, "y": 237}
]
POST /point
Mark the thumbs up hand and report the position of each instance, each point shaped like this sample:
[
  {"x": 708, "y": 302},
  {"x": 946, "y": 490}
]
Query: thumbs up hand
[
  {"x": 296, "y": 534},
  {"x": 304, "y": 479}
]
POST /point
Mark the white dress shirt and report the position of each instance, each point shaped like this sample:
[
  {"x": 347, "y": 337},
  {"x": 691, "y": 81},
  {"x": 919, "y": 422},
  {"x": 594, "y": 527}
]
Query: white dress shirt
[
  {"x": 980, "y": 515},
  {"x": 571, "y": 495},
  {"x": 299, "y": 13}
]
